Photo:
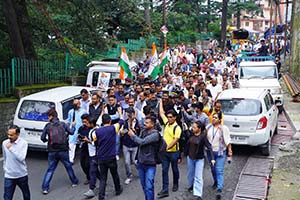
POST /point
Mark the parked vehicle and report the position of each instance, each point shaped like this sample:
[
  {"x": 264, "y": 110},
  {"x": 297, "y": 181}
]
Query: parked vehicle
[
  {"x": 110, "y": 67},
  {"x": 260, "y": 72},
  {"x": 31, "y": 112},
  {"x": 251, "y": 116}
]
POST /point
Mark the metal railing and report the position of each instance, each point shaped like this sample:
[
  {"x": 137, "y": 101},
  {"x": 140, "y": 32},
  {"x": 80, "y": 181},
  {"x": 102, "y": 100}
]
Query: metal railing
[{"x": 6, "y": 82}]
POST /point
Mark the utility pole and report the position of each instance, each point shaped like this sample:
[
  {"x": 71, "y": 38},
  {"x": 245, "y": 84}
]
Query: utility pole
[
  {"x": 270, "y": 29},
  {"x": 165, "y": 22},
  {"x": 275, "y": 26},
  {"x": 224, "y": 23},
  {"x": 286, "y": 26}
]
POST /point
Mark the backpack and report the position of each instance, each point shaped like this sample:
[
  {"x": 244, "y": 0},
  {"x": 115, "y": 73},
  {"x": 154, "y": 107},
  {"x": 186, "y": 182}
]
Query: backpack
[
  {"x": 161, "y": 150},
  {"x": 57, "y": 134},
  {"x": 184, "y": 136}
]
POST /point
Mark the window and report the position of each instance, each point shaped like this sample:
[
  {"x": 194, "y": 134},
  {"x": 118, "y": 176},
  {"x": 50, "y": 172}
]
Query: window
[
  {"x": 246, "y": 23},
  {"x": 95, "y": 78},
  {"x": 268, "y": 102},
  {"x": 67, "y": 106},
  {"x": 35, "y": 110},
  {"x": 241, "y": 107}
]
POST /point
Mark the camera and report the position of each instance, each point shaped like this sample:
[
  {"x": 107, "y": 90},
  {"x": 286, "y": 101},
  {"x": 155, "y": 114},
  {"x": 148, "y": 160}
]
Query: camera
[{"x": 81, "y": 137}]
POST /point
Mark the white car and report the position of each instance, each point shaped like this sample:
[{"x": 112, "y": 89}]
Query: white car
[
  {"x": 251, "y": 116},
  {"x": 31, "y": 112}
]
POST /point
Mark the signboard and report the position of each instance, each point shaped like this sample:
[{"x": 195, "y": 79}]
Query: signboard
[{"x": 103, "y": 81}]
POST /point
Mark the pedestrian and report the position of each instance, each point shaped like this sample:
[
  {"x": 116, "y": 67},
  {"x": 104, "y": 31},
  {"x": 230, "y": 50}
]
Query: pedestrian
[
  {"x": 106, "y": 153},
  {"x": 147, "y": 155},
  {"x": 91, "y": 141},
  {"x": 219, "y": 137},
  {"x": 15, "y": 169},
  {"x": 74, "y": 115},
  {"x": 171, "y": 135},
  {"x": 129, "y": 146},
  {"x": 217, "y": 109},
  {"x": 54, "y": 133},
  {"x": 84, "y": 152},
  {"x": 85, "y": 100},
  {"x": 95, "y": 108},
  {"x": 195, "y": 158}
]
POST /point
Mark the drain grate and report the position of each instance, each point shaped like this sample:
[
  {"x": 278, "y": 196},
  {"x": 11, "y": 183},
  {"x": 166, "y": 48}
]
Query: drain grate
[{"x": 253, "y": 181}]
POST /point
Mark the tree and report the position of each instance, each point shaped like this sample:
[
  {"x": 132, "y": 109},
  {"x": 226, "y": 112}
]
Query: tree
[
  {"x": 224, "y": 23},
  {"x": 237, "y": 6},
  {"x": 19, "y": 28}
]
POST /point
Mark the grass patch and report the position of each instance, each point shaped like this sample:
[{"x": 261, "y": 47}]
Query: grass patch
[
  {"x": 41, "y": 86},
  {"x": 8, "y": 99}
]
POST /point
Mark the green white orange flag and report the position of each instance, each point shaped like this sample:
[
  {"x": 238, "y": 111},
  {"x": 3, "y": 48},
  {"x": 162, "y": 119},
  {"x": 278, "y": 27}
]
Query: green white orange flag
[
  {"x": 124, "y": 66},
  {"x": 153, "y": 61},
  {"x": 159, "y": 69}
]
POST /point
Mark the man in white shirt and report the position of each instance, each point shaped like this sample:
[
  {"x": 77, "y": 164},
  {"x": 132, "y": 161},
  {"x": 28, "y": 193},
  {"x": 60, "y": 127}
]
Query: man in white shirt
[
  {"x": 85, "y": 100},
  {"x": 214, "y": 88},
  {"x": 15, "y": 169}
]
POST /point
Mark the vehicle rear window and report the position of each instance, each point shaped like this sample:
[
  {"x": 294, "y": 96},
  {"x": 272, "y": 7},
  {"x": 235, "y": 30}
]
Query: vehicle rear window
[
  {"x": 35, "y": 110},
  {"x": 241, "y": 107}
]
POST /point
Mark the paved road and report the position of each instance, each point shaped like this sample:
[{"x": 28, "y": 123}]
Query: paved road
[{"x": 61, "y": 186}]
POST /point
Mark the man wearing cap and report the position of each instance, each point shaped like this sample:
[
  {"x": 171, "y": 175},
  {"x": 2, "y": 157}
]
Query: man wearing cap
[
  {"x": 129, "y": 146},
  {"x": 197, "y": 115}
]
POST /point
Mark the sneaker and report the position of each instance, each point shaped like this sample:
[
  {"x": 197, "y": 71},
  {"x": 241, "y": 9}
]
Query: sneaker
[
  {"x": 127, "y": 181},
  {"x": 45, "y": 192},
  {"x": 74, "y": 185},
  {"x": 162, "y": 194},
  {"x": 119, "y": 192},
  {"x": 90, "y": 193},
  {"x": 175, "y": 188}
]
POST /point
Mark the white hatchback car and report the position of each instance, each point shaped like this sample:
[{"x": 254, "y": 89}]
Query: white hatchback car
[{"x": 251, "y": 116}]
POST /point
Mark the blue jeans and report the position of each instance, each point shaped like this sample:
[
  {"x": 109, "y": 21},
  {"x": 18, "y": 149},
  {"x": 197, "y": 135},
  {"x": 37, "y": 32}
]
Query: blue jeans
[
  {"x": 195, "y": 175},
  {"x": 147, "y": 174},
  {"x": 10, "y": 186},
  {"x": 94, "y": 172},
  {"x": 218, "y": 169},
  {"x": 170, "y": 157},
  {"x": 53, "y": 159}
]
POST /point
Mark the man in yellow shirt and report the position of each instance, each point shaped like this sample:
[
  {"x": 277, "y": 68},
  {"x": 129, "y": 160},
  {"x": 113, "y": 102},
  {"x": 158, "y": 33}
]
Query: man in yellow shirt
[
  {"x": 172, "y": 132},
  {"x": 217, "y": 108}
]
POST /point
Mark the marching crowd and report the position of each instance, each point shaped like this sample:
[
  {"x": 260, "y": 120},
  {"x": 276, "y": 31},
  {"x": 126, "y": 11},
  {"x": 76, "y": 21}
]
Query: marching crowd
[{"x": 148, "y": 121}]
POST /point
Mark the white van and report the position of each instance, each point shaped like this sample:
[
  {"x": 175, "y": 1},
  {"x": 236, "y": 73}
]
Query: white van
[
  {"x": 262, "y": 74},
  {"x": 107, "y": 66},
  {"x": 31, "y": 113}
]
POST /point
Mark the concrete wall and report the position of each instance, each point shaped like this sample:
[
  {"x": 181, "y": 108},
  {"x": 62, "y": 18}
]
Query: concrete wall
[
  {"x": 295, "y": 40},
  {"x": 6, "y": 118}
]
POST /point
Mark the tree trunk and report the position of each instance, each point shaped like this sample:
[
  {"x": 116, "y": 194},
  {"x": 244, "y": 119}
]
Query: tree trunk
[
  {"x": 147, "y": 15},
  {"x": 224, "y": 23},
  {"x": 13, "y": 29},
  {"x": 25, "y": 29},
  {"x": 208, "y": 14},
  {"x": 238, "y": 19}
]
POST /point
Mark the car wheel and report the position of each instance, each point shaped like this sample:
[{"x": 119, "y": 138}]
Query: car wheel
[
  {"x": 280, "y": 109},
  {"x": 266, "y": 148},
  {"x": 276, "y": 130}
]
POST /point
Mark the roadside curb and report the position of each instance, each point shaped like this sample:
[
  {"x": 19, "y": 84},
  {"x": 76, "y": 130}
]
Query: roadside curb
[{"x": 289, "y": 119}]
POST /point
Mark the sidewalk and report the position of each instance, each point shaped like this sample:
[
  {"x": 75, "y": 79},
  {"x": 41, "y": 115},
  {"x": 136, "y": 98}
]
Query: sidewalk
[{"x": 286, "y": 173}]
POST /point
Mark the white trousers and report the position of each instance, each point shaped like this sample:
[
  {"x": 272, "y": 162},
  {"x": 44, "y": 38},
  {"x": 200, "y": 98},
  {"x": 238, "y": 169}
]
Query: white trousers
[{"x": 72, "y": 148}]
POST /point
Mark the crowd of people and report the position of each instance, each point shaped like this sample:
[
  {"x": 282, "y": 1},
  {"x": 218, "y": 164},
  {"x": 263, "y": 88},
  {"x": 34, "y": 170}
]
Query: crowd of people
[{"x": 148, "y": 122}]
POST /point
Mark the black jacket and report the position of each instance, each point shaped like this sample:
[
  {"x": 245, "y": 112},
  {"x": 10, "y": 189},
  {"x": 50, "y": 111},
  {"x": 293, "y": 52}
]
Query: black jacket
[
  {"x": 147, "y": 146},
  {"x": 45, "y": 136}
]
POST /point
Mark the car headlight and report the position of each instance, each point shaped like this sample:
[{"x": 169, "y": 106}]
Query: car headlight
[{"x": 275, "y": 91}]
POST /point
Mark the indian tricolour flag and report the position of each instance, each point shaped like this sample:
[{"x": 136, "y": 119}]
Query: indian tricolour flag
[
  {"x": 124, "y": 66},
  {"x": 159, "y": 69},
  {"x": 153, "y": 61}
]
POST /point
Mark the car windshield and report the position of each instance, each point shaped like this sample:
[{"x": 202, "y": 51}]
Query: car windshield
[
  {"x": 241, "y": 107},
  {"x": 258, "y": 72},
  {"x": 35, "y": 110}
]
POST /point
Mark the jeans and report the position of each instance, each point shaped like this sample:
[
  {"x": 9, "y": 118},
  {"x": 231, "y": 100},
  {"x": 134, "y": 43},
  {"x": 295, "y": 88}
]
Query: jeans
[
  {"x": 147, "y": 175},
  {"x": 195, "y": 175},
  {"x": 118, "y": 142},
  {"x": 113, "y": 167},
  {"x": 10, "y": 186},
  {"x": 218, "y": 169},
  {"x": 85, "y": 163},
  {"x": 170, "y": 157},
  {"x": 94, "y": 172},
  {"x": 53, "y": 159},
  {"x": 129, "y": 158}
]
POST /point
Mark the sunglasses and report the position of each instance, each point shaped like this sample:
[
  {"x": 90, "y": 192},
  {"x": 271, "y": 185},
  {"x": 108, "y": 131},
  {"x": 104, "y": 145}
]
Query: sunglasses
[{"x": 169, "y": 116}]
